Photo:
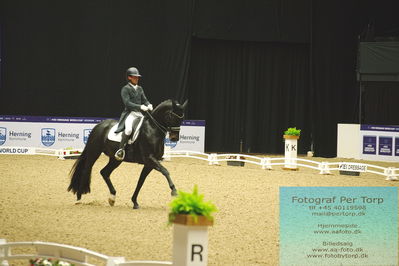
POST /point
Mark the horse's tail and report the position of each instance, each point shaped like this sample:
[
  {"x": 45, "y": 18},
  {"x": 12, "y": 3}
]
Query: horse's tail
[{"x": 81, "y": 170}]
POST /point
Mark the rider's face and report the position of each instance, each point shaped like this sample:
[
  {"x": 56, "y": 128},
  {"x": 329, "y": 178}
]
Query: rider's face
[{"x": 133, "y": 79}]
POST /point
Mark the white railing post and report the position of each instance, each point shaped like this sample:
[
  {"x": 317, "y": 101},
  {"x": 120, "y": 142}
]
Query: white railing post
[
  {"x": 212, "y": 158},
  {"x": 390, "y": 174},
  {"x": 166, "y": 154},
  {"x": 324, "y": 169},
  {"x": 112, "y": 261},
  {"x": 3, "y": 252},
  {"x": 266, "y": 163}
]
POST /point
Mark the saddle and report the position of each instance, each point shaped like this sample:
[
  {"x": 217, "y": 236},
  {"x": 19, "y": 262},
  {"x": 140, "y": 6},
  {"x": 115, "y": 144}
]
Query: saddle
[{"x": 118, "y": 136}]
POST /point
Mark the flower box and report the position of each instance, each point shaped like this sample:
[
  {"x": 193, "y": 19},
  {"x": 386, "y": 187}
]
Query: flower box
[
  {"x": 187, "y": 219},
  {"x": 290, "y": 137}
]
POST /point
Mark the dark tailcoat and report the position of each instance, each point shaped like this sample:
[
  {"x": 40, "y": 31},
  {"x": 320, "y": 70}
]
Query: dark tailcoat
[{"x": 132, "y": 99}]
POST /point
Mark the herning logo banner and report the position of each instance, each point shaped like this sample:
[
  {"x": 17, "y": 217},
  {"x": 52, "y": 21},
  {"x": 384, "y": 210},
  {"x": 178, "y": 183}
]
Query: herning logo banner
[
  {"x": 86, "y": 133},
  {"x": 48, "y": 136},
  {"x": 3, "y": 135},
  {"x": 170, "y": 143}
]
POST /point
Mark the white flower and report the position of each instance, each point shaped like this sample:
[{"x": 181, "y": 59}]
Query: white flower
[{"x": 47, "y": 263}]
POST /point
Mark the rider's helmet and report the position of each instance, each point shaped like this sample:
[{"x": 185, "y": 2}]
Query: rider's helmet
[{"x": 132, "y": 71}]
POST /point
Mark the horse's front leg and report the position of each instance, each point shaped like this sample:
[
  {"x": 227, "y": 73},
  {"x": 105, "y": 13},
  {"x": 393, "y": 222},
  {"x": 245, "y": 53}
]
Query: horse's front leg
[
  {"x": 144, "y": 173},
  {"x": 159, "y": 167}
]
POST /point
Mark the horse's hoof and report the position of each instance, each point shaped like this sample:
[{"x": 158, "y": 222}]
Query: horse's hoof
[
  {"x": 78, "y": 202},
  {"x": 136, "y": 206},
  {"x": 174, "y": 193},
  {"x": 111, "y": 200}
]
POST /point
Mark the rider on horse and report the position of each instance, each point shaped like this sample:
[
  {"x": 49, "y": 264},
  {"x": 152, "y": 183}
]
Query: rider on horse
[{"x": 135, "y": 101}]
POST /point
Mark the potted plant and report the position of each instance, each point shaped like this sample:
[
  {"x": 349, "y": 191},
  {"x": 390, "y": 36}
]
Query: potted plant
[
  {"x": 191, "y": 209},
  {"x": 291, "y": 136},
  {"x": 292, "y": 133}
]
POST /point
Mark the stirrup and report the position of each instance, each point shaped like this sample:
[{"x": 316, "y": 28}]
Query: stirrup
[{"x": 120, "y": 154}]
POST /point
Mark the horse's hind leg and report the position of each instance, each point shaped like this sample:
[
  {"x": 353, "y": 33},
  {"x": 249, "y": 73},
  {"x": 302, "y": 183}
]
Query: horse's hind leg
[{"x": 106, "y": 173}]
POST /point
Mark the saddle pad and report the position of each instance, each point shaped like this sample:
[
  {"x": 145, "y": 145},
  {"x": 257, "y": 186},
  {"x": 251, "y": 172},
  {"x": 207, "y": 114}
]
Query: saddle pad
[{"x": 118, "y": 136}]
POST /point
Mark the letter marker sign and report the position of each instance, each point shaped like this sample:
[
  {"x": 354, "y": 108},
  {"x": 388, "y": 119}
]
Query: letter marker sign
[
  {"x": 290, "y": 152},
  {"x": 190, "y": 241}
]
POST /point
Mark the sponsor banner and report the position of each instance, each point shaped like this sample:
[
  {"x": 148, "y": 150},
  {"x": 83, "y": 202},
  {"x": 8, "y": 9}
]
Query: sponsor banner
[
  {"x": 48, "y": 135},
  {"x": 192, "y": 137},
  {"x": 51, "y": 119},
  {"x": 73, "y": 132},
  {"x": 17, "y": 150},
  {"x": 352, "y": 167},
  {"x": 397, "y": 146},
  {"x": 379, "y": 143}
]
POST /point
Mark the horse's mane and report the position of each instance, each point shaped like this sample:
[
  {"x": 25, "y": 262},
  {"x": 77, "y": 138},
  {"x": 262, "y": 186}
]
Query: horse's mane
[{"x": 165, "y": 104}]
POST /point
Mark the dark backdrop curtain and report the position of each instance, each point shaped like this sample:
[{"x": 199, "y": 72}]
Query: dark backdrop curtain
[
  {"x": 336, "y": 29},
  {"x": 334, "y": 89},
  {"x": 380, "y": 103},
  {"x": 249, "y": 92},
  {"x": 69, "y": 58}
]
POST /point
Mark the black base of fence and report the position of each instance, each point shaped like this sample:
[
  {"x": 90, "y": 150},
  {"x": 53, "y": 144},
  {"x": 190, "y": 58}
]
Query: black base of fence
[
  {"x": 352, "y": 173},
  {"x": 235, "y": 163}
]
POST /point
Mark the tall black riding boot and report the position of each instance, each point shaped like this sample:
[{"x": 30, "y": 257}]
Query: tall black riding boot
[{"x": 120, "y": 154}]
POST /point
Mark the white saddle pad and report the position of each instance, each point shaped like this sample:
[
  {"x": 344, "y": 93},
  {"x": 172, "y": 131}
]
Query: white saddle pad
[{"x": 118, "y": 136}]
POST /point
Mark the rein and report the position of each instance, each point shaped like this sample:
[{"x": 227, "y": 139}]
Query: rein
[{"x": 163, "y": 128}]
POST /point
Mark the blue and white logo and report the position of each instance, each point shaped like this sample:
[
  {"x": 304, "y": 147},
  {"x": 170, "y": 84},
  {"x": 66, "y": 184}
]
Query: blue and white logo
[
  {"x": 48, "y": 136},
  {"x": 170, "y": 143},
  {"x": 3, "y": 135},
  {"x": 86, "y": 133}
]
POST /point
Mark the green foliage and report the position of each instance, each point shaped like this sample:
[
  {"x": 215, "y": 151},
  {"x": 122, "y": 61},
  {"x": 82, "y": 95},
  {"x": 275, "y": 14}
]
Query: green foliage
[
  {"x": 292, "y": 131},
  {"x": 192, "y": 204}
]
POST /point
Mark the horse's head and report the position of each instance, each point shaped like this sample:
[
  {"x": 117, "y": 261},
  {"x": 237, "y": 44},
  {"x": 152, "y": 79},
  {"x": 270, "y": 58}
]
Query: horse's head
[{"x": 171, "y": 114}]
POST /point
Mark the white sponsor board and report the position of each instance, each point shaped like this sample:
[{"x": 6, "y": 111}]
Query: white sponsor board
[
  {"x": 379, "y": 143},
  {"x": 368, "y": 142},
  {"x": 192, "y": 137},
  {"x": 352, "y": 167},
  {"x": 73, "y": 132}
]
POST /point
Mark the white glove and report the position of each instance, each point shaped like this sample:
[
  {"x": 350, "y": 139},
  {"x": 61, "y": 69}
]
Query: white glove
[
  {"x": 143, "y": 108},
  {"x": 150, "y": 107}
]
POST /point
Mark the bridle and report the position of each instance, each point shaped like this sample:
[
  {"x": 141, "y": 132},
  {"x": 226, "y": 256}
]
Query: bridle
[{"x": 163, "y": 128}]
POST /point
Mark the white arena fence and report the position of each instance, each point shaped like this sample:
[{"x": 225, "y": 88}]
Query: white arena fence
[
  {"x": 390, "y": 173},
  {"x": 65, "y": 253},
  {"x": 267, "y": 163}
]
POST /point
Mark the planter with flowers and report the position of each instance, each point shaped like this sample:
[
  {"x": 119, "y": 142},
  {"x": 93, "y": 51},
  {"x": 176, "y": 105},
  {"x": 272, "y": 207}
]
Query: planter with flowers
[
  {"x": 191, "y": 216},
  {"x": 291, "y": 136}
]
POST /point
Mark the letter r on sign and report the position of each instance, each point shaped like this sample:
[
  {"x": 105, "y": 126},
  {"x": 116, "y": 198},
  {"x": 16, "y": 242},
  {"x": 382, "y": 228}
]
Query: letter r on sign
[{"x": 196, "y": 249}]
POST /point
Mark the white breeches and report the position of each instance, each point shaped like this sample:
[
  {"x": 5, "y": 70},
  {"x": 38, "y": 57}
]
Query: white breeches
[{"x": 129, "y": 121}]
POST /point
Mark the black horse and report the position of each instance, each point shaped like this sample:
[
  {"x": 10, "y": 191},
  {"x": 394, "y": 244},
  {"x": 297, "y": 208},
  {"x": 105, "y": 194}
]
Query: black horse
[{"x": 148, "y": 150}]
